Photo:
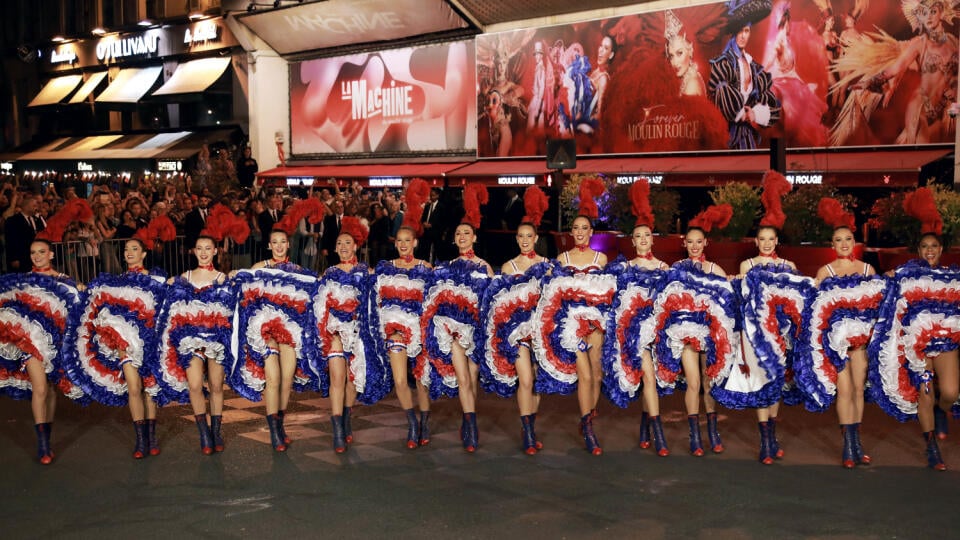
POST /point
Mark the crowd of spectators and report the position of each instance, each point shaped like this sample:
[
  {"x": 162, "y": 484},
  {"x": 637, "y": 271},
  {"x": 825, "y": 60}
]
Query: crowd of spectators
[{"x": 122, "y": 205}]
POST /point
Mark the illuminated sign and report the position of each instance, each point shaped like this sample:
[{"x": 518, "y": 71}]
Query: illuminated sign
[
  {"x": 84, "y": 166},
  {"x": 6, "y": 166},
  {"x": 299, "y": 180},
  {"x": 169, "y": 166},
  {"x": 387, "y": 103},
  {"x": 386, "y": 181},
  {"x": 631, "y": 178},
  {"x": 805, "y": 178},
  {"x": 204, "y": 31},
  {"x": 516, "y": 180},
  {"x": 65, "y": 56},
  {"x": 116, "y": 48}
]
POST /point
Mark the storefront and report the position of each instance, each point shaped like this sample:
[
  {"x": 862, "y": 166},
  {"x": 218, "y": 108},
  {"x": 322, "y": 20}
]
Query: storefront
[{"x": 132, "y": 97}]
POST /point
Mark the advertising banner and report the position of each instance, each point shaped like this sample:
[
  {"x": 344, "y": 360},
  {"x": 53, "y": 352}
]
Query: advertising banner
[
  {"x": 415, "y": 100},
  {"x": 727, "y": 75}
]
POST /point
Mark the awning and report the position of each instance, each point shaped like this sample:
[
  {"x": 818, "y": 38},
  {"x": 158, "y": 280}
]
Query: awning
[
  {"x": 897, "y": 167},
  {"x": 336, "y": 23},
  {"x": 173, "y": 145},
  {"x": 56, "y": 90},
  {"x": 194, "y": 77},
  {"x": 88, "y": 87},
  {"x": 404, "y": 170},
  {"x": 130, "y": 85}
]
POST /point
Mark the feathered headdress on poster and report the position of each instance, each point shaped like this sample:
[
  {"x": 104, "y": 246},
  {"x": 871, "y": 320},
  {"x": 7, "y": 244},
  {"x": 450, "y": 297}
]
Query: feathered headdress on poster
[
  {"x": 75, "y": 210},
  {"x": 310, "y": 208},
  {"x": 832, "y": 213},
  {"x": 590, "y": 189},
  {"x": 160, "y": 229},
  {"x": 416, "y": 195},
  {"x": 535, "y": 204},
  {"x": 474, "y": 196},
  {"x": 355, "y": 228},
  {"x": 640, "y": 202},
  {"x": 921, "y": 205},
  {"x": 775, "y": 186},
  {"x": 716, "y": 215},
  {"x": 222, "y": 223}
]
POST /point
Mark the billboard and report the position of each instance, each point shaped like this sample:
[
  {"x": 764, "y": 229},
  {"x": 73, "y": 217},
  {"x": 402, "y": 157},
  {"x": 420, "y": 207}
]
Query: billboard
[
  {"x": 721, "y": 76},
  {"x": 415, "y": 100}
]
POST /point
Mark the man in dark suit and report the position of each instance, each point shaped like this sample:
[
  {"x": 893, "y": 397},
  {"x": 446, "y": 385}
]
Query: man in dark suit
[
  {"x": 21, "y": 229},
  {"x": 195, "y": 221},
  {"x": 433, "y": 220},
  {"x": 270, "y": 216},
  {"x": 331, "y": 230},
  {"x": 512, "y": 211}
]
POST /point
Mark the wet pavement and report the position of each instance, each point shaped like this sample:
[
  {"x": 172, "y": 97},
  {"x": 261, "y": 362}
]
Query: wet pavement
[{"x": 380, "y": 489}]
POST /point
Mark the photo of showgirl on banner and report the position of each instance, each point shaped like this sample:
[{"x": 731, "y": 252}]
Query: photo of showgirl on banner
[{"x": 726, "y": 75}]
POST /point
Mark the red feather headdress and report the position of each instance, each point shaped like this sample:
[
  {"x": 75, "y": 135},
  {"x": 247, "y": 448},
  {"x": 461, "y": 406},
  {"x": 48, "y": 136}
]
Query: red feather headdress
[
  {"x": 416, "y": 195},
  {"x": 222, "y": 223},
  {"x": 474, "y": 195},
  {"x": 590, "y": 189},
  {"x": 775, "y": 186},
  {"x": 535, "y": 204},
  {"x": 640, "y": 202},
  {"x": 352, "y": 226},
  {"x": 832, "y": 213},
  {"x": 310, "y": 208},
  {"x": 921, "y": 205},
  {"x": 717, "y": 215},
  {"x": 160, "y": 229},
  {"x": 75, "y": 210}
]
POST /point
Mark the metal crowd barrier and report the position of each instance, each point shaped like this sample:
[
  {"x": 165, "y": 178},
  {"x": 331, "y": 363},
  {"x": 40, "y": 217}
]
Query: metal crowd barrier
[{"x": 78, "y": 260}]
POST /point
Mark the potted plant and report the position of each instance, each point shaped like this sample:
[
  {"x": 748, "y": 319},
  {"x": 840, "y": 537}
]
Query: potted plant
[
  {"x": 729, "y": 245},
  {"x": 898, "y": 233},
  {"x": 805, "y": 238}
]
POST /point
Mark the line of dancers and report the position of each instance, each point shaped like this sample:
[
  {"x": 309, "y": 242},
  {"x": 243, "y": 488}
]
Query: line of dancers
[{"x": 628, "y": 329}]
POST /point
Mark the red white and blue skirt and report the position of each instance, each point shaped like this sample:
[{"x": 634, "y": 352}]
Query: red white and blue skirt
[
  {"x": 632, "y": 305},
  {"x": 451, "y": 312},
  {"x": 841, "y": 318},
  {"x": 397, "y": 306},
  {"x": 36, "y": 313},
  {"x": 194, "y": 323},
  {"x": 273, "y": 305},
  {"x": 342, "y": 308},
  {"x": 117, "y": 325},
  {"x": 919, "y": 318},
  {"x": 694, "y": 309},
  {"x": 509, "y": 309},
  {"x": 572, "y": 306},
  {"x": 773, "y": 308}
]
